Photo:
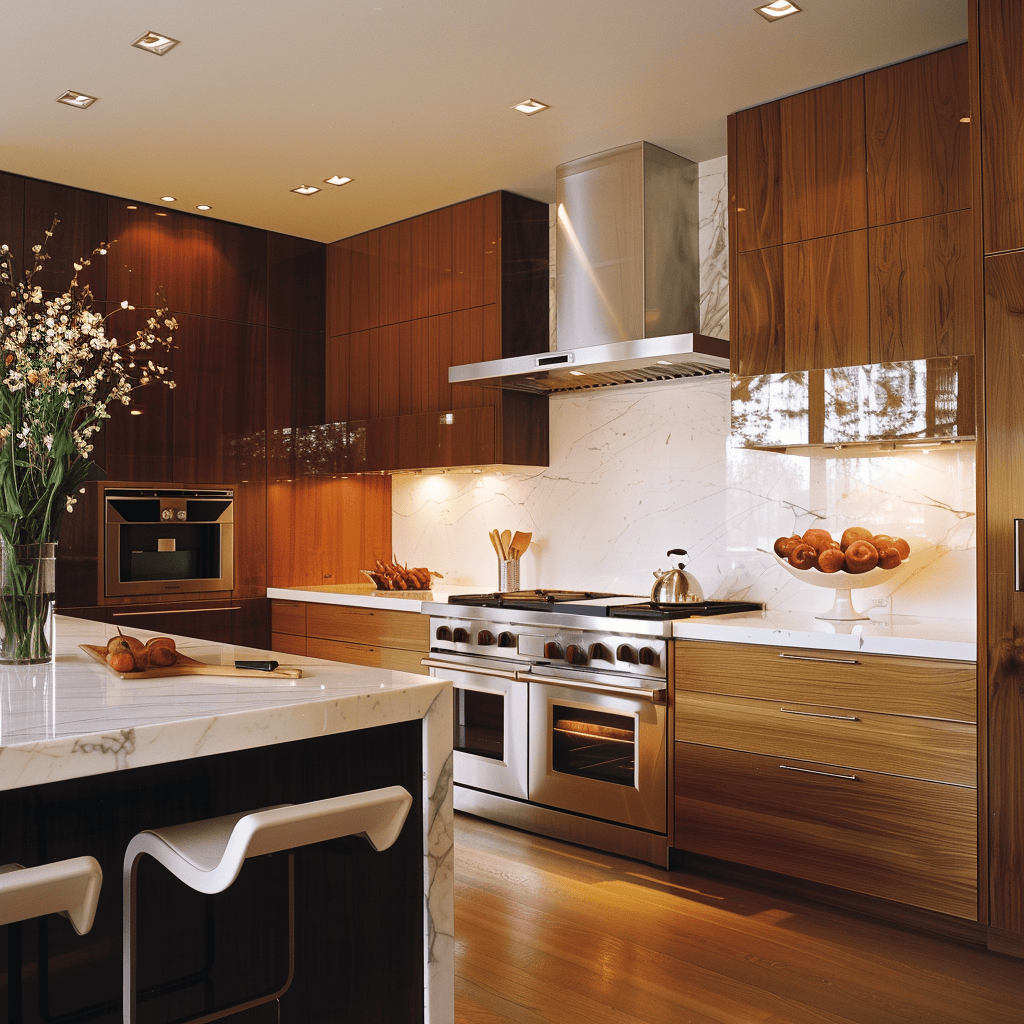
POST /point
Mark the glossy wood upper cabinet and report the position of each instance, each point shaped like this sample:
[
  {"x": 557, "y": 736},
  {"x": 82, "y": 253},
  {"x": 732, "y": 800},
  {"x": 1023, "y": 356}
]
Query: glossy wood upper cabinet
[
  {"x": 12, "y": 216},
  {"x": 850, "y": 228},
  {"x": 1001, "y": 38},
  {"x": 205, "y": 267},
  {"x": 823, "y": 185},
  {"x": 918, "y": 143},
  {"x": 459, "y": 285},
  {"x": 295, "y": 283}
]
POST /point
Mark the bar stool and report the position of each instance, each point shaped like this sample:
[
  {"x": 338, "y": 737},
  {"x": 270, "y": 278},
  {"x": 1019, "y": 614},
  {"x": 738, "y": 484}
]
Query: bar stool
[
  {"x": 69, "y": 887},
  {"x": 207, "y": 856}
]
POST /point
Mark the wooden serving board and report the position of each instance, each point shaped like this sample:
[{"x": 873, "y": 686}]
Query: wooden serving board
[{"x": 186, "y": 666}]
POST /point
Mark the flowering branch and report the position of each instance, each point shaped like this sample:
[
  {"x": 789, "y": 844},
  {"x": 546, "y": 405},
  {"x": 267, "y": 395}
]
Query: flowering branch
[{"x": 60, "y": 371}]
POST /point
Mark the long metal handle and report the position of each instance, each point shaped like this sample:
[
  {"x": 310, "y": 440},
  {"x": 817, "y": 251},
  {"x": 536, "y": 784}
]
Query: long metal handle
[
  {"x": 177, "y": 611},
  {"x": 811, "y": 771},
  {"x": 472, "y": 670},
  {"x": 831, "y": 661},
  {"x": 1018, "y": 554},
  {"x": 659, "y": 696},
  {"x": 818, "y": 714}
]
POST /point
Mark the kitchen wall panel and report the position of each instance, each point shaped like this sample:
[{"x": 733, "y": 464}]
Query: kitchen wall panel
[
  {"x": 12, "y": 216},
  {"x": 296, "y": 268}
]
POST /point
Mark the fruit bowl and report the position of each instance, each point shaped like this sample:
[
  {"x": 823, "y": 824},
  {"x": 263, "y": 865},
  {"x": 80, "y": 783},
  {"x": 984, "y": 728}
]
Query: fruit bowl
[{"x": 842, "y": 583}]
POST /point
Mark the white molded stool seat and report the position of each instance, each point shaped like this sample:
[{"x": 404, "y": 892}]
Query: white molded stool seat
[
  {"x": 69, "y": 887},
  {"x": 208, "y": 855}
]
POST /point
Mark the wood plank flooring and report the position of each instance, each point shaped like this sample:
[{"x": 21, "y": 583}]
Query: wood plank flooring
[{"x": 548, "y": 932}]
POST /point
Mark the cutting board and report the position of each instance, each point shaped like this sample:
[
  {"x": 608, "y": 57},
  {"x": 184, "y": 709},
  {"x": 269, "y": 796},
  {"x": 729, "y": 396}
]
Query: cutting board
[{"x": 186, "y": 666}]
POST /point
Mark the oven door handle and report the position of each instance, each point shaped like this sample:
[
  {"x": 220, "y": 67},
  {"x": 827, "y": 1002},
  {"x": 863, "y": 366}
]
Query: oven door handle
[
  {"x": 470, "y": 669},
  {"x": 659, "y": 696}
]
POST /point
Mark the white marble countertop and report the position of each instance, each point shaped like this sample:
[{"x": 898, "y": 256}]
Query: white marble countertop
[
  {"x": 906, "y": 636},
  {"x": 365, "y": 596},
  {"x": 901, "y": 635},
  {"x": 76, "y": 718}
]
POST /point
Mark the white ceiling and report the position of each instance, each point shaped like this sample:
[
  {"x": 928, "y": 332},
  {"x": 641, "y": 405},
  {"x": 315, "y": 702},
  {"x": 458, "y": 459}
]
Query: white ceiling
[{"x": 411, "y": 98}]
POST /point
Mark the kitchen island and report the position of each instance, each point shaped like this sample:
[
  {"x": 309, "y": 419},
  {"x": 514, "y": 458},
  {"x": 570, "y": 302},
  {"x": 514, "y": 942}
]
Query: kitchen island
[{"x": 88, "y": 759}]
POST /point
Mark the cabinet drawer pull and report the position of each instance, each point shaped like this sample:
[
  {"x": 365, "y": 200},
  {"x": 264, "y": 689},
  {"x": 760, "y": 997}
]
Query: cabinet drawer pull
[
  {"x": 811, "y": 771},
  {"x": 830, "y": 661},
  {"x": 818, "y": 714}
]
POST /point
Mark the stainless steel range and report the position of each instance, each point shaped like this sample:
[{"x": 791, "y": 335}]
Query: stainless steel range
[{"x": 561, "y": 712}]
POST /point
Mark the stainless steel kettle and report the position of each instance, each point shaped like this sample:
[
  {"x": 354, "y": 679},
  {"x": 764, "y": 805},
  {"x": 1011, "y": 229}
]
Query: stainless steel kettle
[{"x": 676, "y": 586}]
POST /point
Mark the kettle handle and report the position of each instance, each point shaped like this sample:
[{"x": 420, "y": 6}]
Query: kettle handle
[{"x": 676, "y": 551}]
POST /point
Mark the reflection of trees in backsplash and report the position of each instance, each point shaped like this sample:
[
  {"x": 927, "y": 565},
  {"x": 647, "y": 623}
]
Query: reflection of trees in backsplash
[
  {"x": 888, "y": 400},
  {"x": 770, "y": 409}
]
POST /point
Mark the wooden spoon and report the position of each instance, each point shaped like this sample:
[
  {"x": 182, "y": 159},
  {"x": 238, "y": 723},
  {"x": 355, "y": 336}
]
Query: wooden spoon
[
  {"x": 506, "y": 540},
  {"x": 496, "y": 544}
]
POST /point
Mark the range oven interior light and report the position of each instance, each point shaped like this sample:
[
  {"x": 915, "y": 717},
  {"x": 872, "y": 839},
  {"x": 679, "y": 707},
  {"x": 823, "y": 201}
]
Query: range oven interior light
[{"x": 779, "y": 9}]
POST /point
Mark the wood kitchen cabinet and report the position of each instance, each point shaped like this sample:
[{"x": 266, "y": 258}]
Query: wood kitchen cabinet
[
  {"x": 379, "y": 638},
  {"x": 244, "y": 623},
  {"x": 850, "y": 221},
  {"x": 406, "y": 301},
  {"x": 858, "y": 772}
]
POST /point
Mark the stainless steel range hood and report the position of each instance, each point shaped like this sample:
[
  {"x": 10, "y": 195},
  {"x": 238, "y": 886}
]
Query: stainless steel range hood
[{"x": 627, "y": 284}]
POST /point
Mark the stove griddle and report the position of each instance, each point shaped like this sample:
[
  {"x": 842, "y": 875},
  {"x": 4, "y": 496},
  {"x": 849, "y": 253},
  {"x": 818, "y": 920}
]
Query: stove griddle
[
  {"x": 618, "y": 606},
  {"x": 665, "y": 610}
]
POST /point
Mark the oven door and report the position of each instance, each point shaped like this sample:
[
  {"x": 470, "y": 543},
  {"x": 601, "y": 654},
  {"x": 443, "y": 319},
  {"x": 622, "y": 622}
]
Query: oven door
[
  {"x": 490, "y": 727},
  {"x": 599, "y": 751}
]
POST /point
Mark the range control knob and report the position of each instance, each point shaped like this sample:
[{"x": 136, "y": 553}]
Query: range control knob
[
  {"x": 167, "y": 513},
  {"x": 460, "y": 635},
  {"x": 553, "y": 651},
  {"x": 598, "y": 652},
  {"x": 181, "y": 513},
  {"x": 443, "y": 633},
  {"x": 506, "y": 640},
  {"x": 648, "y": 656},
  {"x": 485, "y": 638},
  {"x": 575, "y": 655},
  {"x": 626, "y": 654}
]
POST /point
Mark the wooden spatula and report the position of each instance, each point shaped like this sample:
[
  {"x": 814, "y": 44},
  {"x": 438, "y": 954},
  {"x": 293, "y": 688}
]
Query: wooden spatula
[
  {"x": 520, "y": 542},
  {"x": 496, "y": 544},
  {"x": 506, "y": 540}
]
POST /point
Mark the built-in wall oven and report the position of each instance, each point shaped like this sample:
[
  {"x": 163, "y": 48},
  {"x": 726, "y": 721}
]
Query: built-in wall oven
[
  {"x": 561, "y": 713},
  {"x": 167, "y": 540}
]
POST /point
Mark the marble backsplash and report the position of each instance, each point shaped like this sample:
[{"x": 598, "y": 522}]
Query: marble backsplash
[{"x": 635, "y": 471}]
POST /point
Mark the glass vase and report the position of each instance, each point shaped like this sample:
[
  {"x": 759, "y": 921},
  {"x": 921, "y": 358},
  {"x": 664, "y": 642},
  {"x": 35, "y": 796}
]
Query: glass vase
[{"x": 28, "y": 574}]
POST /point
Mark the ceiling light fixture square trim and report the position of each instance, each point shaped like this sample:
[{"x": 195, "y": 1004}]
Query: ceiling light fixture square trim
[
  {"x": 154, "y": 42},
  {"x": 306, "y": 190},
  {"x": 778, "y": 9},
  {"x": 76, "y": 99},
  {"x": 337, "y": 179},
  {"x": 531, "y": 106}
]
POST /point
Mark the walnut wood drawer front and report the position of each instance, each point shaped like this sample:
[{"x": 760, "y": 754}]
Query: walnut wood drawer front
[
  {"x": 866, "y": 682},
  {"x": 900, "y": 839},
  {"x": 930, "y": 749},
  {"x": 393, "y": 658},
  {"x": 288, "y": 617},
  {"x": 373, "y": 626}
]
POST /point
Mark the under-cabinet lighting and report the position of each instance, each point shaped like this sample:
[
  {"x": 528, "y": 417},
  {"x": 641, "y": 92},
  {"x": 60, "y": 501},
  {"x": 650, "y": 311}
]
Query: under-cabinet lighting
[
  {"x": 779, "y": 9},
  {"x": 336, "y": 179},
  {"x": 306, "y": 190},
  {"x": 531, "y": 107},
  {"x": 154, "y": 42},
  {"x": 76, "y": 99}
]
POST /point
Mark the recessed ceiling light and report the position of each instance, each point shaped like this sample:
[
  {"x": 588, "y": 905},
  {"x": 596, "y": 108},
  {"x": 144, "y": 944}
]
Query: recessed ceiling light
[
  {"x": 76, "y": 99},
  {"x": 336, "y": 179},
  {"x": 156, "y": 43},
  {"x": 306, "y": 190},
  {"x": 168, "y": 199},
  {"x": 203, "y": 206},
  {"x": 779, "y": 9},
  {"x": 530, "y": 106}
]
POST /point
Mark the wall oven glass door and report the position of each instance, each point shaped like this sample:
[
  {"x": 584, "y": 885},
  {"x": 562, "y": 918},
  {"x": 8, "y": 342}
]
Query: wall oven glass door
[
  {"x": 490, "y": 727},
  {"x": 598, "y": 753}
]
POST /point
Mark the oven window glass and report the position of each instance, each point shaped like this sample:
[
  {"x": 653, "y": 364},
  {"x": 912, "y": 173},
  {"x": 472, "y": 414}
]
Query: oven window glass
[
  {"x": 596, "y": 745},
  {"x": 480, "y": 723}
]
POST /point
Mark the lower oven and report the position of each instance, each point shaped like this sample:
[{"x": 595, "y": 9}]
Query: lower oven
[{"x": 599, "y": 750}]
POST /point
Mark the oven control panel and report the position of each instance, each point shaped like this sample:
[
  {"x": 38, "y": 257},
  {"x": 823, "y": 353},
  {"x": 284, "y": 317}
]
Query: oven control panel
[{"x": 552, "y": 646}]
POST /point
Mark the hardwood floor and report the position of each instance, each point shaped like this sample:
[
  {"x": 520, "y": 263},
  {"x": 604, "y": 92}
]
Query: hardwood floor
[{"x": 547, "y": 932}]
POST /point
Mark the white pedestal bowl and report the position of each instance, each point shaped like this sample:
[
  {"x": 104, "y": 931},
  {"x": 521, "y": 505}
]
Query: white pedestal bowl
[{"x": 842, "y": 583}]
